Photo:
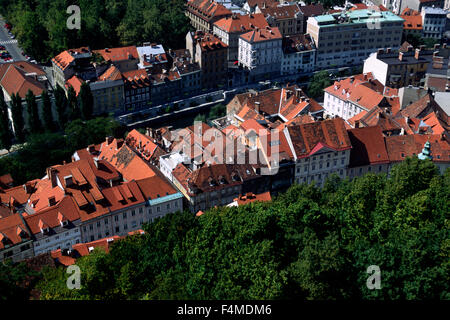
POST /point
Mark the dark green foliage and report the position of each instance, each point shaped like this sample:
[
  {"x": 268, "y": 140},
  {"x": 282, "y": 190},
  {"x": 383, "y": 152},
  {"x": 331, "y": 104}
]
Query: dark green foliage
[
  {"x": 44, "y": 150},
  {"x": 47, "y": 112},
  {"x": 61, "y": 106},
  {"x": 319, "y": 81},
  {"x": 15, "y": 281},
  {"x": 308, "y": 243},
  {"x": 86, "y": 101},
  {"x": 72, "y": 102},
  {"x": 5, "y": 125},
  {"x": 34, "y": 123},
  {"x": 17, "y": 116},
  {"x": 41, "y": 28}
]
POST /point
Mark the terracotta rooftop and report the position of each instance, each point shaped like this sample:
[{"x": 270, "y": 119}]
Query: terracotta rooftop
[
  {"x": 19, "y": 77},
  {"x": 281, "y": 12},
  {"x": 259, "y": 35},
  {"x": 251, "y": 197},
  {"x": 65, "y": 58},
  {"x": 413, "y": 19},
  {"x": 311, "y": 137},
  {"x": 119, "y": 54},
  {"x": 400, "y": 147},
  {"x": 12, "y": 230},
  {"x": 242, "y": 23},
  {"x": 76, "y": 83},
  {"x": 368, "y": 147},
  {"x": 207, "y": 9}
]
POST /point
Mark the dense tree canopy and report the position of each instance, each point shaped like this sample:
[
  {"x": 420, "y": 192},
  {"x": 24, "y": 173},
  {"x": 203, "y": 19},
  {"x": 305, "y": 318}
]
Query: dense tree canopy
[
  {"x": 308, "y": 243},
  {"x": 319, "y": 81},
  {"x": 47, "y": 149},
  {"x": 41, "y": 27}
]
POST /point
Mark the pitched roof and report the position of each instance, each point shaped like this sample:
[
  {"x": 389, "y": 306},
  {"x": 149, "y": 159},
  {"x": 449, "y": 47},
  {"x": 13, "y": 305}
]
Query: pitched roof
[
  {"x": 207, "y": 9},
  {"x": 400, "y": 147},
  {"x": 20, "y": 77},
  {"x": 306, "y": 138},
  {"x": 112, "y": 74},
  {"x": 76, "y": 83},
  {"x": 65, "y": 58},
  {"x": 259, "y": 35},
  {"x": 242, "y": 23},
  {"x": 119, "y": 54},
  {"x": 413, "y": 19},
  {"x": 144, "y": 145},
  {"x": 12, "y": 230},
  {"x": 423, "y": 107},
  {"x": 368, "y": 147},
  {"x": 281, "y": 12},
  {"x": 125, "y": 160},
  {"x": 311, "y": 10}
]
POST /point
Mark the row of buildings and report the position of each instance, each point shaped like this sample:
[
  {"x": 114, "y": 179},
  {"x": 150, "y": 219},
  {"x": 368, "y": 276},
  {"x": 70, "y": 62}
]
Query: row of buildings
[{"x": 267, "y": 141}]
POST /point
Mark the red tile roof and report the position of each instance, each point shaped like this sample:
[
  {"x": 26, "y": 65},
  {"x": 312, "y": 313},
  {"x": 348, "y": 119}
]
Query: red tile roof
[
  {"x": 119, "y": 54},
  {"x": 112, "y": 74},
  {"x": 242, "y": 23},
  {"x": 281, "y": 12},
  {"x": 76, "y": 83},
  {"x": 311, "y": 137},
  {"x": 413, "y": 19},
  {"x": 251, "y": 197},
  {"x": 125, "y": 160},
  {"x": 19, "y": 78},
  {"x": 144, "y": 145},
  {"x": 12, "y": 230},
  {"x": 368, "y": 147},
  {"x": 207, "y": 9},
  {"x": 65, "y": 58},
  {"x": 259, "y": 35},
  {"x": 400, "y": 147}
]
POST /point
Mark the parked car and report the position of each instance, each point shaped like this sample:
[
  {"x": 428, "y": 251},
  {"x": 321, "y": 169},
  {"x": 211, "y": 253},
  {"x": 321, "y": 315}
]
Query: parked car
[{"x": 2, "y": 47}]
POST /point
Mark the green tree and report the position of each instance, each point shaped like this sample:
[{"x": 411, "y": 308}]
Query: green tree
[
  {"x": 15, "y": 281},
  {"x": 17, "y": 116},
  {"x": 34, "y": 123},
  {"x": 47, "y": 114},
  {"x": 86, "y": 101},
  {"x": 61, "y": 106},
  {"x": 319, "y": 81},
  {"x": 72, "y": 101},
  {"x": 5, "y": 126}
]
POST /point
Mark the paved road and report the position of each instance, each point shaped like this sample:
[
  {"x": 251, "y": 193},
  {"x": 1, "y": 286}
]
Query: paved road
[{"x": 10, "y": 44}]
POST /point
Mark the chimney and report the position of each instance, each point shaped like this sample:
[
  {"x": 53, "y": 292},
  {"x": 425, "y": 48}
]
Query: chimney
[
  {"x": 417, "y": 54},
  {"x": 352, "y": 79},
  {"x": 96, "y": 162},
  {"x": 380, "y": 51},
  {"x": 400, "y": 56},
  {"x": 51, "y": 173},
  {"x": 109, "y": 140},
  {"x": 436, "y": 46},
  {"x": 257, "y": 106},
  {"x": 435, "y": 53},
  {"x": 298, "y": 92},
  {"x": 302, "y": 98},
  {"x": 356, "y": 123},
  {"x": 409, "y": 48},
  {"x": 388, "y": 50}
]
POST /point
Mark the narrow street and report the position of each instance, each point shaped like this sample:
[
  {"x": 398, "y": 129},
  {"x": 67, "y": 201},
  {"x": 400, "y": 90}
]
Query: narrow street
[{"x": 11, "y": 44}]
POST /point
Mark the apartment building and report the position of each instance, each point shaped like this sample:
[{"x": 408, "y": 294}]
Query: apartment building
[
  {"x": 419, "y": 4},
  {"x": 16, "y": 241},
  {"x": 55, "y": 227},
  {"x": 287, "y": 18},
  {"x": 413, "y": 24},
  {"x": 190, "y": 71},
  {"x": 203, "y": 13},
  {"x": 319, "y": 150},
  {"x": 229, "y": 29},
  {"x": 349, "y": 37},
  {"x": 299, "y": 55},
  {"x": 260, "y": 53},
  {"x": 399, "y": 69},
  {"x": 211, "y": 54},
  {"x": 216, "y": 184},
  {"x": 434, "y": 22},
  {"x": 137, "y": 89},
  {"x": 360, "y": 93}
]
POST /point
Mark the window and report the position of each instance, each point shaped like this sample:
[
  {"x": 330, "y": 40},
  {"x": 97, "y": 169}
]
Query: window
[
  {"x": 125, "y": 227},
  {"x": 91, "y": 227},
  {"x": 150, "y": 210},
  {"x": 117, "y": 229},
  {"x": 124, "y": 215},
  {"x": 168, "y": 205},
  {"x": 99, "y": 236},
  {"x": 106, "y": 221},
  {"x": 158, "y": 209},
  {"x": 116, "y": 218},
  {"x": 92, "y": 238},
  {"x": 133, "y": 213},
  {"x": 141, "y": 210},
  {"x": 98, "y": 224}
]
